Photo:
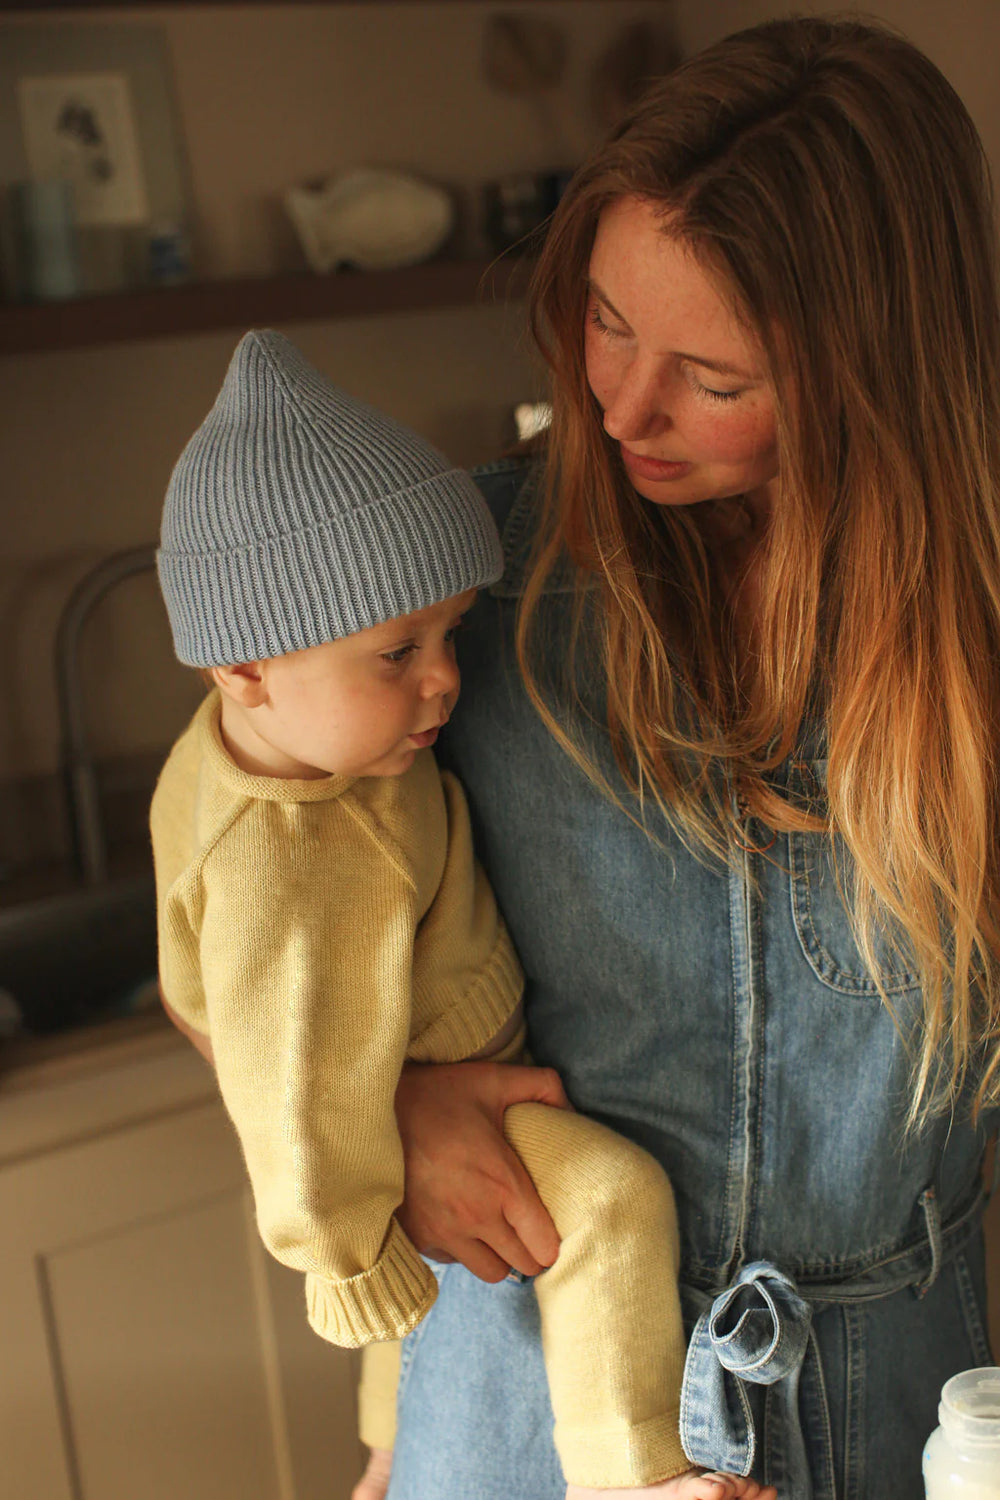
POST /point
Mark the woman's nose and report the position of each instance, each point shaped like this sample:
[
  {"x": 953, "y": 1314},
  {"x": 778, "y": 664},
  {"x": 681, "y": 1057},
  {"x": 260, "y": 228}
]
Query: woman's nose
[{"x": 637, "y": 408}]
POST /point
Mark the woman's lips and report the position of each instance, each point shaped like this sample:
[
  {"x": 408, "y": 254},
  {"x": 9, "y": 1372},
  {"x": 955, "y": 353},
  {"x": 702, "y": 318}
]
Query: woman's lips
[{"x": 652, "y": 468}]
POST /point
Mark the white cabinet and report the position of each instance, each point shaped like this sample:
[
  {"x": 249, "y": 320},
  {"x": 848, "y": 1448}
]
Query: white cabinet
[{"x": 150, "y": 1349}]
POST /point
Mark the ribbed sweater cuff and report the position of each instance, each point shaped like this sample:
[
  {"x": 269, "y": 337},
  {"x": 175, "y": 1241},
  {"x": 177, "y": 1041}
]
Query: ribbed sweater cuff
[
  {"x": 385, "y": 1302},
  {"x": 622, "y": 1457},
  {"x": 482, "y": 1011}
]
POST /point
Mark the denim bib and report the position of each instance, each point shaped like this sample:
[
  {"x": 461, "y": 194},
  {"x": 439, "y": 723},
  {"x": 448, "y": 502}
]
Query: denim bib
[{"x": 721, "y": 1016}]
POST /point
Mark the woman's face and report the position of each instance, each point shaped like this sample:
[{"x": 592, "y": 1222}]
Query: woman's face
[{"x": 683, "y": 387}]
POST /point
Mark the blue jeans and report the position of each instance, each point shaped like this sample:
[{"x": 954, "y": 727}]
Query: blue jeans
[
  {"x": 720, "y": 1015},
  {"x": 502, "y": 1397},
  {"x": 475, "y": 1419}
]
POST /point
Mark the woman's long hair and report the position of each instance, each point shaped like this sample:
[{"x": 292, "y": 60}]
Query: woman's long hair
[{"x": 830, "y": 178}]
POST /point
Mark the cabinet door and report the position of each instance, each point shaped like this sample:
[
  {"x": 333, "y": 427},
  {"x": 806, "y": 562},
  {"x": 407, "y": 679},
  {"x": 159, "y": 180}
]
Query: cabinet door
[{"x": 151, "y": 1347}]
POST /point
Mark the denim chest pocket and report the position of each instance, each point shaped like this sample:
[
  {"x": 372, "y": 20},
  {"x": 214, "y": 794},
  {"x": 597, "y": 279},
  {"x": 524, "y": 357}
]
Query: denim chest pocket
[{"x": 822, "y": 923}]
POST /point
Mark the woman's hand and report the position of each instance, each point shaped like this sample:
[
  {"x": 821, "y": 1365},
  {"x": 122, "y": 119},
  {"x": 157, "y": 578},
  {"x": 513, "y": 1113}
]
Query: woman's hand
[{"x": 468, "y": 1198}]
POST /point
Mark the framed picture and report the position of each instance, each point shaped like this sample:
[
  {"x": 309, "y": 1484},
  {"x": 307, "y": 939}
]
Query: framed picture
[
  {"x": 92, "y": 104},
  {"x": 81, "y": 127}
]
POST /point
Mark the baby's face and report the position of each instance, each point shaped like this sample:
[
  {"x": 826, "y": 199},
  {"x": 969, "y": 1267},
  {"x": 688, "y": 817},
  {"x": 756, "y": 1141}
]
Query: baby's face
[{"x": 363, "y": 705}]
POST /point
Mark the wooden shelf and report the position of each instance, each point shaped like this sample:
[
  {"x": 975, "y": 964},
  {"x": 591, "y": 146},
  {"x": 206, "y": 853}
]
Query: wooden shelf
[
  {"x": 202, "y": 306},
  {"x": 30, "y": 5}
]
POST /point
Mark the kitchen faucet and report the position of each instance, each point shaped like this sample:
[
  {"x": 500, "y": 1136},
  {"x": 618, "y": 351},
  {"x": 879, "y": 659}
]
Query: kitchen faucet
[{"x": 76, "y": 760}]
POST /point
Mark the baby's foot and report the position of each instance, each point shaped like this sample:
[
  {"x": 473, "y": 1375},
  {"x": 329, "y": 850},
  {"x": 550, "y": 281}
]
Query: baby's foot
[
  {"x": 375, "y": 1480},
  {"x": 696, "y": 1484}
]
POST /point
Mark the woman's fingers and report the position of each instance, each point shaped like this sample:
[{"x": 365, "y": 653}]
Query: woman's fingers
[
  {"x": 493, "y": 1260},
  {"x": 512, "y": 1247},
  {"x": 521, "y": 1085},
  {"x": 483, "y": 1225},
  {"x": 464, "y": 1183},
  {"x": 483, "y": 1262},
  {"x": 523, "y": 1209},
  {"x": 503, "y": 1212},
  {"x": 530, "y": 1220}
]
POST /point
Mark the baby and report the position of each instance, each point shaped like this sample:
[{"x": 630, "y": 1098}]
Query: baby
[{"x": 321, "y": 915}]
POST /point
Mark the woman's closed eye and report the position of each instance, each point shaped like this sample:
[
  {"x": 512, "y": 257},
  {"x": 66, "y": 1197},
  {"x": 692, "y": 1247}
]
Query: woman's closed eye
[
  {"x": 705, "y": 392},
  {"x": 594, "y": 317},
  {"x": 710, "y": 392}
]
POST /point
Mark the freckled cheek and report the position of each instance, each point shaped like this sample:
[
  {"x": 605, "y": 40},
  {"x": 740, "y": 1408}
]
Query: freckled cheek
[
  {"x": 603, "y": 375},
  {"x": 734, "y": 437}
]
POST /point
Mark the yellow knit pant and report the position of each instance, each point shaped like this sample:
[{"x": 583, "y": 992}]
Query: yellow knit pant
[{"x": 610, "y": 1311}]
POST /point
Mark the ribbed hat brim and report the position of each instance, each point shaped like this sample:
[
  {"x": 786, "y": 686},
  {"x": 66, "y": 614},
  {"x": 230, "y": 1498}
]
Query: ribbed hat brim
[{"x": 306, "y": 587}]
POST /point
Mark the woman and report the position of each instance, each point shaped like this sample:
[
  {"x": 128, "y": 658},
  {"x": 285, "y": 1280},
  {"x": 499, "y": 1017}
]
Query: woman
[{"x": 740, "y": 804}]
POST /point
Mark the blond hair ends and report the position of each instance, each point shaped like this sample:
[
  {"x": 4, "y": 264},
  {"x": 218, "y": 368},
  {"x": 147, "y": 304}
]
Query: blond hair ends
[{"x": 829, "y": 177}]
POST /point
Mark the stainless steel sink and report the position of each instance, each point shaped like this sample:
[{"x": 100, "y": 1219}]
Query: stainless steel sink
[{"x": 80, "y": 955}]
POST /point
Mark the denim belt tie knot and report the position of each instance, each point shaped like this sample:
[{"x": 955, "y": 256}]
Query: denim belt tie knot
[{"x": 745, "y": 1355}]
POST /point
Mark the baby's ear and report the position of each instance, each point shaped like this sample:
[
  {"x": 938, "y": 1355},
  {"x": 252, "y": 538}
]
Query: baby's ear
[{"x": 243, "y": 683}]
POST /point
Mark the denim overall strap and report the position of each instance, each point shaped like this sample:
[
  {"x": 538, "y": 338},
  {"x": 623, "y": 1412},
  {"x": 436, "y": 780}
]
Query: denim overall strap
[{"x": 754, "y": 1334}]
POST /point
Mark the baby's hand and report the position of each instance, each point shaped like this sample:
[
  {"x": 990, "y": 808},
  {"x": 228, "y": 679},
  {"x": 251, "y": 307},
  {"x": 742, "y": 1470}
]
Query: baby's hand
[
  {"x": 694, "y": 1485},
  {"x": 375, "y": 1480}
]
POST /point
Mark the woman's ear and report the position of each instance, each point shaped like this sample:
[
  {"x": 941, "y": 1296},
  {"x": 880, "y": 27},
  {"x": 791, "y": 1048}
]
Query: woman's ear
[{"x": 243, "y": 683}]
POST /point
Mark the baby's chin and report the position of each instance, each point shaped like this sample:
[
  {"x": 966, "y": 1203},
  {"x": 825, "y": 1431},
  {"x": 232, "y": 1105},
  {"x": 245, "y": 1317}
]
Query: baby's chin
[{"x": 396, "y": 763}]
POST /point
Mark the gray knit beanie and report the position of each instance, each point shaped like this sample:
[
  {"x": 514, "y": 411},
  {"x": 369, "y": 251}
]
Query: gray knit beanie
[{"x": 297, "y": 515}]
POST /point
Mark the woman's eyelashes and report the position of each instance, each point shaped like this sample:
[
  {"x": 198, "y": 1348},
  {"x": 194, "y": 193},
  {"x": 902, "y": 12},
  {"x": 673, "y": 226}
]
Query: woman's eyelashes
[
  {"x": 594, "y": 317},
  {"x": 709, "y": 392},
  {"x": 706, "y": 392}
]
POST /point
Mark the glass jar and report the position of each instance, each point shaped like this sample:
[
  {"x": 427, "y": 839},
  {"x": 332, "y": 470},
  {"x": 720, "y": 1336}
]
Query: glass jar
[{"x": 962, "y": 1456}]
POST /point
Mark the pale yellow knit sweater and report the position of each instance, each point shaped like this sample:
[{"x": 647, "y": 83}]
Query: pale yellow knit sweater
[{"x": 320, "y": 933}]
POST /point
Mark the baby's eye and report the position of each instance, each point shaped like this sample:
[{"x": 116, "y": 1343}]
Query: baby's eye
[
  {"x": 398, "y": 655},
  {"x": 449, "y": 635}
]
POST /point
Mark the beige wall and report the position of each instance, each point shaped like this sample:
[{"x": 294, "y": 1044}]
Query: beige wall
[{"x": 268, "y": 95}]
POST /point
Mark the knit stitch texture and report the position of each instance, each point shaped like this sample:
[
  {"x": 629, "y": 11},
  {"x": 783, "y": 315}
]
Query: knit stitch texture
[{"x": 297, "y": 515}]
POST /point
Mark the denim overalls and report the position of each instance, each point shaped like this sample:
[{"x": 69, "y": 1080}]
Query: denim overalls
[{"x": 832, "y": 1271}]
